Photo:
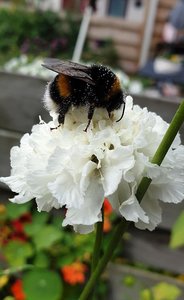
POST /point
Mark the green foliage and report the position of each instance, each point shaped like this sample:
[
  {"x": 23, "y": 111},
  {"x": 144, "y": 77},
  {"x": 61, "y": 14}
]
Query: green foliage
[
  {"x": 36, "y": 33},
  {"x": 177, "y": 234},
  {"x": 161, "y": 291},
  {"x": 42, "y": 284},
  {"x": 38, "y": 221},
  {"x": 41, "y": 260},
  {"x": 46, "y": 34},
  {"x": 46, "y": 237},
  {"x": 36, "y": 250},
  {"x": 166, "y": 291},
  {"x": 14, "y": 211},
  {"x": 17, "y": 253},
  {"x": 146, "y": 294},
  {"x": 129, "y": 280}
]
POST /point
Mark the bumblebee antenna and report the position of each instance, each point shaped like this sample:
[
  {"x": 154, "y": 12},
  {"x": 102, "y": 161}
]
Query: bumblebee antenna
[{"x": 122, "y": 113}]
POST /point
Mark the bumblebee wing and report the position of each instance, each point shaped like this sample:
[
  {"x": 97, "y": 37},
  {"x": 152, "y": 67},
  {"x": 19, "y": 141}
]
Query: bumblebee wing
[{"x": 69, "y": 68}]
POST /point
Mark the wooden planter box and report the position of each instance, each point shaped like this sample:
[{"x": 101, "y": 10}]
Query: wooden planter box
[
  {"x": 20, "y": 107},
  {"x": 127, "y": 283}
]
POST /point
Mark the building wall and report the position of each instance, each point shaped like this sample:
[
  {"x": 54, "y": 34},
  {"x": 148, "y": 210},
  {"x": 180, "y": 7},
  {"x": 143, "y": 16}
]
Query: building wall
[
  {"x": 131, "y": 33},
  {"x": 135, "y": 13},
  {"x": 163, "y": 10},
  {"x": 125, "y": 32}
]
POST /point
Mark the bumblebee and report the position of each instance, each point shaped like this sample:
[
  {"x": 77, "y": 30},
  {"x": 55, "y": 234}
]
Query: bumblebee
[{"x": 79, "y": 85}]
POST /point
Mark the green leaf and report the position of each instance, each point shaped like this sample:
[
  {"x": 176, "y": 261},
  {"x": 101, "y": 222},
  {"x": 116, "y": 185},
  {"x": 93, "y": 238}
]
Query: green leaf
[
  {"x": 38, "y": 222},
  {"x": 14, "y": 211},
  {"x": 32, "y": 229},
  {"x": 41, "y": 260},
  {"x": 165, "y": 291},
  {"x": 46, "y": 237},
  {"x": 57, "y": 221},
  {"x": 65, "y": 260},
  {"x": 129, "y": 280},
  {"x": 146, "y": 294},
  {"x": 177, "y": 233},
  {"x": 42, "y": 284},
  {"x": 40, "y": 217},
  {"x": 17, "y": 253}
]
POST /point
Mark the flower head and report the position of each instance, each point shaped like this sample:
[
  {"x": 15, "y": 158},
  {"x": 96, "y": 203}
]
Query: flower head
[
  {"x": 74, "y": 273},
  {"x": 107, "y": 213},
  {"x": 70, "y": 168},
  {"x": 17, "y": 290},
  {"x": 17, "y": 228}
]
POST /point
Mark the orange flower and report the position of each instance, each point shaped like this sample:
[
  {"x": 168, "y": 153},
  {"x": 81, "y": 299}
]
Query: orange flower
[
  {"x": 107, "y": 224},
  {"x": 107, "y": 212},
  {"x": 74, "y": 273},
  {"x": 107, "y": 207},
  {"x": 17, "y": 290}
]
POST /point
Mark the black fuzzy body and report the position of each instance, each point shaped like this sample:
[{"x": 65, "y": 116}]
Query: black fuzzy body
[{"x": 105, "y": 92}]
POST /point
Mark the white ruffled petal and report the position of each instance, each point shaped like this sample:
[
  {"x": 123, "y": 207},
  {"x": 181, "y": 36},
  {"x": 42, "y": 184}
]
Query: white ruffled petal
[
  {"x": 22, "y": 198},
  {"x": 87, "y": 172},
  {"x": 114, "y": 166},
  {"x": 167, "y": 190},
  {"x": 90, "y": 212},
  {"x": 132, "y": 211},
  {"x": 66, "y": 190},
  {"x": 46, "y": 203},
  {"x": 153, "y": 211},
  {"x": 123, "y": 192}
]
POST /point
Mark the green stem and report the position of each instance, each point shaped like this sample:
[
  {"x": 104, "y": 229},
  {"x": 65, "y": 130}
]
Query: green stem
[
  {"x": 119, "y": 230},
  {"x": 145, "y": 182},
  {"x": 15, "y": 270},
  {"x": 97, "y": 248},
  {"x": 98, "y": 242}
]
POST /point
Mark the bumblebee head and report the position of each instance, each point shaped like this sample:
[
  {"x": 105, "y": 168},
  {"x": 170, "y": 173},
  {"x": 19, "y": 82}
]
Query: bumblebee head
[{"x": 115, "y": 102}]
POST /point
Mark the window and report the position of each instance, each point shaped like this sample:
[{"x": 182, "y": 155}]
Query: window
[{"x": 117, "y": 8}]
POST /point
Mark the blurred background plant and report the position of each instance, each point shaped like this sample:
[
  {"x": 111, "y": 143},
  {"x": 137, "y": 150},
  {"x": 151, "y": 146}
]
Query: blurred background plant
[
  {"x": 46, "y": 34},
  {"x": 41, "y": 258}
]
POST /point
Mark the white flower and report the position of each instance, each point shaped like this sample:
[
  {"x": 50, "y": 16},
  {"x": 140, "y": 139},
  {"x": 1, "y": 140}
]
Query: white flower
[
  {"x": 22, "y": 65},
  {"x": 70, "y": 168}
]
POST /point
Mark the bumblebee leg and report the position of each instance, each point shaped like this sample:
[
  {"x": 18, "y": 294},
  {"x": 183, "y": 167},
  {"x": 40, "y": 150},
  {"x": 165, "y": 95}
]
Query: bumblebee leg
[
  {"x": 62, "y": 112},
  {"x": 53, "y": 128},
  {"x": 109, "y": 113},
  {"x": 61, "y": 117},
  {"x": 90, "y": 116}
]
